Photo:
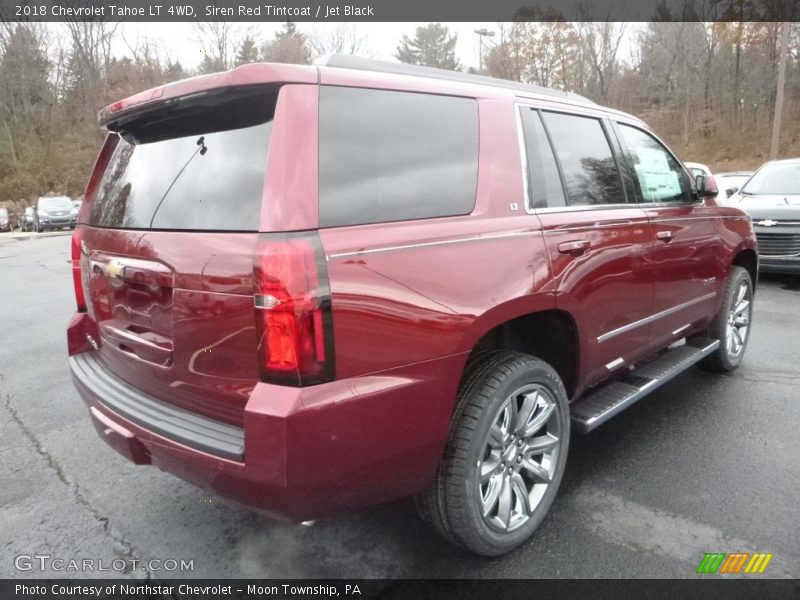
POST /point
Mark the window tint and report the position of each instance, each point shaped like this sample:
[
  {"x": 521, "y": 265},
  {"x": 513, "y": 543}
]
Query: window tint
[
  {"x": 658, "y": 176},
  {"x": 207, "y": 175},
  {"x": 544, "y": 185},
  {"x": 393, "y": 156},
  {"x": 590, "y": 171}
]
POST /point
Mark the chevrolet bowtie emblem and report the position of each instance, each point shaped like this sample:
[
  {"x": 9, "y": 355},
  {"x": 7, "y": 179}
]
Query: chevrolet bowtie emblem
[
  {"x": 766, "y": 223},
  {"x": 114, "y": 269}
]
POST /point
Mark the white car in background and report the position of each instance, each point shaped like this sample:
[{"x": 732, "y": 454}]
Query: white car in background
[
  {"x": 698, "y": 169},
  {"x": 730, "y": 183}
]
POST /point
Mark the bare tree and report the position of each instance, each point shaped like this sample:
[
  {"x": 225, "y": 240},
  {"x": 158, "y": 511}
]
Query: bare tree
[
  {"x": 600, "y": 48},
  {"x": 216, "y": 39},
  {"x": 87, "y": 60},
  {"x": 340, "y": 38}
]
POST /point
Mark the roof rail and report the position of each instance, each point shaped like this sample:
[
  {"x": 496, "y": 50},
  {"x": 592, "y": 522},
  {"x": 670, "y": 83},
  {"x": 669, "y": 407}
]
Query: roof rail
[{"x": 346, "y": 61}]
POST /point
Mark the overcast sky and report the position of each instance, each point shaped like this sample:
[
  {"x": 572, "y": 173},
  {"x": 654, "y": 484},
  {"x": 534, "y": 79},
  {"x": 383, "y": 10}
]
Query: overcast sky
[{"x": 180, "y": 41}]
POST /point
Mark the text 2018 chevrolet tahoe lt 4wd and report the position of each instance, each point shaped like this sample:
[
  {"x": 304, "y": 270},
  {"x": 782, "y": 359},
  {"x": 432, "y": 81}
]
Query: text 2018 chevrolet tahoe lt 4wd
[{"x": 308, "y": 288}]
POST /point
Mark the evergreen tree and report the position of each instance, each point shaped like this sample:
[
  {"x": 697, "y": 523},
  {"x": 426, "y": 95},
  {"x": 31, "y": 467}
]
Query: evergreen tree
[
  {"x": 289, "y": 46},
  {"x": 432, "y": 46},
  {"x": 247, "y": 52}
]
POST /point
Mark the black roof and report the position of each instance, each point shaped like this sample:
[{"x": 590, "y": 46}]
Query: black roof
[{"x": 345, "y": 61}]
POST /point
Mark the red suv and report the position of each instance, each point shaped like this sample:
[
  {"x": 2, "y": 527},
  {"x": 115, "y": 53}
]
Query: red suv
[{"x": 309, "y": 288}]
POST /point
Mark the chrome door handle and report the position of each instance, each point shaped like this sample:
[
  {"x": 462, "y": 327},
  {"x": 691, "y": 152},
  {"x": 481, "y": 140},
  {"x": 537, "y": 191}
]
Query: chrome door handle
[
  {"x": 574, "y": 247},
  {"x": 665, "y": 236}
]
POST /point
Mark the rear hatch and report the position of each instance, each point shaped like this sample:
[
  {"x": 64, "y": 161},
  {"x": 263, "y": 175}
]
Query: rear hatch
[{"x": 166, "y": 254}]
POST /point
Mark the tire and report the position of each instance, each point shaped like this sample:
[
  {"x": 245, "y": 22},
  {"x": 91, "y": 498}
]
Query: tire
[
  {"x": 501, "y": 469},
  {"x": 731, "y": 325}
]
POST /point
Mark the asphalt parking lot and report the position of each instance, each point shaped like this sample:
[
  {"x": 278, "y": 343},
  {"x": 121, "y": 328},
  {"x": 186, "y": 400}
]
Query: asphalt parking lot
[{"x": 707, "y": 463}]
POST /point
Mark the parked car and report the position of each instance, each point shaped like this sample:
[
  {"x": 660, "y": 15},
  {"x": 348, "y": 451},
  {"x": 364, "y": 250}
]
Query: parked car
[
  {"x": 8, "y": 220},
  {"x": 729, "y": 183},
  {"x": 698, "y": 169},
  {"x": 27, "y": 221},
  {"x": 54, "y": 212},
  {"x": 428, "y": 281},
  {"x": 772, "y": 198}
]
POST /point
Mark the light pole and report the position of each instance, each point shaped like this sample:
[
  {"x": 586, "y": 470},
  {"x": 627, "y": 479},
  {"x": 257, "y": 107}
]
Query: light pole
[{"x": 482, "y": 33}]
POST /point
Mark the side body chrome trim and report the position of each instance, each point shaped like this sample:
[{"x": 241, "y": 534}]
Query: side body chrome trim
[
  {"x": 476, "y": 238},
  {"x": 655, "y": 317},
  {"x": 585, "y": 207},
  {"x": 681, "y": 329}
]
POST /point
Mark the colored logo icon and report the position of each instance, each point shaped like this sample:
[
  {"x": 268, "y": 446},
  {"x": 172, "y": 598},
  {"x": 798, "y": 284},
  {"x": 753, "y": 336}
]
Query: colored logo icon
[{"x": 734, "y": 562}]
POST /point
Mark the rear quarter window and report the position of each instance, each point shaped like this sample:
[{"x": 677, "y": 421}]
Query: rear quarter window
[{"x": 395, "y": 156}]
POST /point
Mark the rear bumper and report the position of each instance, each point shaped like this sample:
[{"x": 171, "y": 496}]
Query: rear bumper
[
  {"x": 303, "y": 452},
  {"x": 183, "y": 426}
]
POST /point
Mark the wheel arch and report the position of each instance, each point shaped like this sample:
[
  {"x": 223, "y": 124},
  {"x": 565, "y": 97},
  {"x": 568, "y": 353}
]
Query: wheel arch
[
  {"x": 547, "y": 333},
  {"x": 747, "y": 259}
]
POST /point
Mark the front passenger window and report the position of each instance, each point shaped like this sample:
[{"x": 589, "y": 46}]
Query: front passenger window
[{"x": 659, "y": 177}]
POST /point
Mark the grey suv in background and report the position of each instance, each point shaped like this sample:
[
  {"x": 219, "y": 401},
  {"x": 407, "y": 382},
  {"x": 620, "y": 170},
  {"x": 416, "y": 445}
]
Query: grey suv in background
[{"x": 54, "y": 212}]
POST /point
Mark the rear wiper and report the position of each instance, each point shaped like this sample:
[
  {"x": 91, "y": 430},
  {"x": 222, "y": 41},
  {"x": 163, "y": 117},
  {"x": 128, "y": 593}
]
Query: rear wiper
[{"x": 201, "y": 150}]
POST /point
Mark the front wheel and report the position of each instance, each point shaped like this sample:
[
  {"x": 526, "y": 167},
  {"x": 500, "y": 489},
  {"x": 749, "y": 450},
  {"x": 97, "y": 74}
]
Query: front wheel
[
  {"x": 505, "y": 455},
  {"x": 731, "y": 325}
]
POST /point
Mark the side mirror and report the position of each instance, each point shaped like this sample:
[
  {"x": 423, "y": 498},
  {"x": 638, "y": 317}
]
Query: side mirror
[
  {"x": 731, "y": 191},
  {"x": 706, "y": 186}
]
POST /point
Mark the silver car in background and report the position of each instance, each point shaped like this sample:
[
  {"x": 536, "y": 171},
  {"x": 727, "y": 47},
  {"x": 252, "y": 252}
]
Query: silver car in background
[
  {"x": 772, "y": 198},
  {"x": 55, "y": 212}
]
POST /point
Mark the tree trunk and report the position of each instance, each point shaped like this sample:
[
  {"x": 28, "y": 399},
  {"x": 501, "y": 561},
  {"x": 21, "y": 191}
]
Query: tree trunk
[
  {"x": 776, "y": 120},
  {"x": 14, "y": 154},
  {"x": 737, "y": 65}
]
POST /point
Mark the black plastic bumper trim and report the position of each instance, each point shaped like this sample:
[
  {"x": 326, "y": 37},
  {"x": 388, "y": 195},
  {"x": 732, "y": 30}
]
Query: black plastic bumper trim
[{"x": 180, "y": 425}]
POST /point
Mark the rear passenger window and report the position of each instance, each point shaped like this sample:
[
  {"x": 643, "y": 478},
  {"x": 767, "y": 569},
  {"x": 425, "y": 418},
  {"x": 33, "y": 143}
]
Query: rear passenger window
[
  {"x": 589, "y": 169},
  {"x": 544, "y": 181},
  {"x": 395, "y": 156},
  {"x": 659, "y": 177}
]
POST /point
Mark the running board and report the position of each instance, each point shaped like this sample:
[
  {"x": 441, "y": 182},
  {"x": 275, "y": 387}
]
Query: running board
[{"x": 599, "y": 406}]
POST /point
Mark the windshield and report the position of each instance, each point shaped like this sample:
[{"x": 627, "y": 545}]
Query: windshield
[
  {"x": 777, "y": 178},
  {"x": 55, "y": 202},
  {"x": 3, "y": 212}
]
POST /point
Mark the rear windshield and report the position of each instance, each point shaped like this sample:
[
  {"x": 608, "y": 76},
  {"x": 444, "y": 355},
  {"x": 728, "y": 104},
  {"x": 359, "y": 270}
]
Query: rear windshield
[{"x": 202, "y": 169}]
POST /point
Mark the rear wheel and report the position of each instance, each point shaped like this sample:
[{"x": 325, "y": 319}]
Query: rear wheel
[
  {"x": 505, "y": 456},
  {"x": 731, "y": 325}
]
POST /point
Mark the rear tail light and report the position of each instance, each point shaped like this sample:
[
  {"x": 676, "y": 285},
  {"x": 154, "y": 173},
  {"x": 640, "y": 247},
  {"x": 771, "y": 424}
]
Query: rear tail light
[
  {"x": 80, "y": 298},
  {"x": 293, "y": 310}
]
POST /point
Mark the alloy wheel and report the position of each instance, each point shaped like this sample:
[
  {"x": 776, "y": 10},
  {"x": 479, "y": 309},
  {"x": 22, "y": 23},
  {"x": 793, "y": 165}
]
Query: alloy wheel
[
  {"x": 519, "y": 458},
  {"x": 738, "y": 321}
]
